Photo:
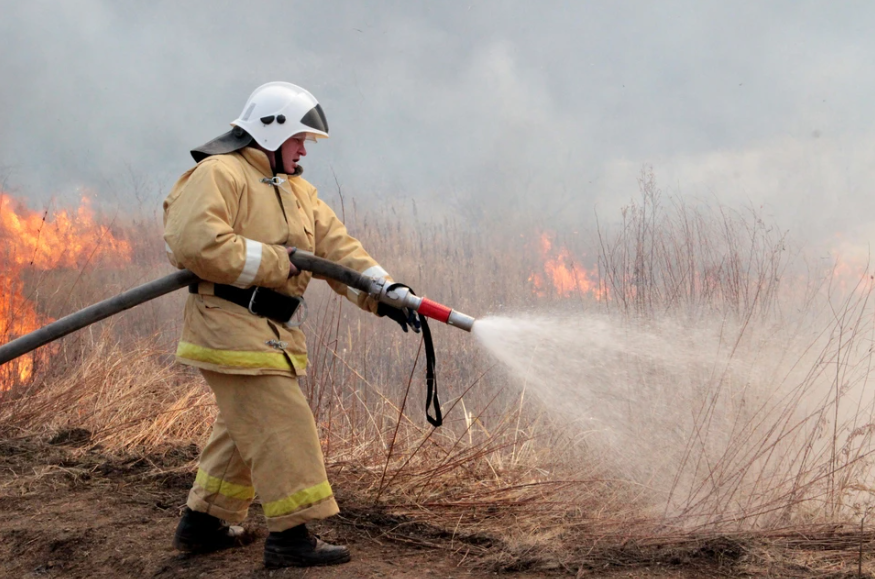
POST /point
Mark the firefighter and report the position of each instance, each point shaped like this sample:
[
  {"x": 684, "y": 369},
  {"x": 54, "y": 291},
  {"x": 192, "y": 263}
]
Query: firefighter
[{"x": 233, "y": 220}]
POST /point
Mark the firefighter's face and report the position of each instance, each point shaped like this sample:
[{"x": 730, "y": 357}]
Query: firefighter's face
[{"x": 293, "y": 150}]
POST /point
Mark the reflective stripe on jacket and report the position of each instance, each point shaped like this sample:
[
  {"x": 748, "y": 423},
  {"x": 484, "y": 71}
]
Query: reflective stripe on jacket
[{"x": 227, "y": 225}]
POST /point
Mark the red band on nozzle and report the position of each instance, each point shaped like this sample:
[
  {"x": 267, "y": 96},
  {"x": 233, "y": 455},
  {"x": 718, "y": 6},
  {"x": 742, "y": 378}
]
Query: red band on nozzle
[{"x": 434, "y": 310}]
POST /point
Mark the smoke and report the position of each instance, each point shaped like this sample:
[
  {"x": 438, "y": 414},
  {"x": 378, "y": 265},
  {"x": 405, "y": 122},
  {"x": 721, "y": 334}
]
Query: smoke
[{"x": 469, "y": 108}]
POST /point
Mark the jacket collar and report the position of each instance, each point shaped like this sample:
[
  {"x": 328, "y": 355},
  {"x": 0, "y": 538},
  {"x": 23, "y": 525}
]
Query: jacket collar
[{"x": 258, "y": 159}]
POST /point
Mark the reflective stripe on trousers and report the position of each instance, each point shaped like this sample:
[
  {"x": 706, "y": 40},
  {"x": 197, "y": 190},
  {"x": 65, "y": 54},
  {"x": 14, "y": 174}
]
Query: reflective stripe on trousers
[{"x": 240, "y": 358}]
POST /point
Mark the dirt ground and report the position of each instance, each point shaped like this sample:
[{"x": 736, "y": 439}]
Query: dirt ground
[{"x": 67, "y": 510}]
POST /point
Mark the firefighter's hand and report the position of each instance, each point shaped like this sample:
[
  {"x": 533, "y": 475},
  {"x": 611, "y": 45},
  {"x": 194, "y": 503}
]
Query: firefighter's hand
[
  {"x": 404, "y": 318},
  {"x": 293, "y": 271}
]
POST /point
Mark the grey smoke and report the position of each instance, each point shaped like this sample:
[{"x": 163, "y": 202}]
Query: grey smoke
[{"x": 466, "y": 106}]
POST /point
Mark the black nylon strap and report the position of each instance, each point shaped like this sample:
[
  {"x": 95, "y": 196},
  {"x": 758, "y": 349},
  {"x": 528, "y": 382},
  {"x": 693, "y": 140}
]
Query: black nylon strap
[
  {"x": 431, "y": 395},
  {"x": 267, "y": 302},
  {"x": 236, "y": 295}
]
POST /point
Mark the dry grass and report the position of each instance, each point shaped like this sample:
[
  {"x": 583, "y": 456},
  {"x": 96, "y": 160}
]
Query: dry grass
[
  {"x": 792, "y": 444},
  {"x": 768, "y": 465}
]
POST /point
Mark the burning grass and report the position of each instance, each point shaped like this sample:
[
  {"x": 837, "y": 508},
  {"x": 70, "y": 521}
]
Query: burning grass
[
  {"x": 751, "y": 458},
  {"x": 35, "y": 243}
]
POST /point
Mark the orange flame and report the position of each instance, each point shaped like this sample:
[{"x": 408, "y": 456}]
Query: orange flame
[
  {"x": 563, "y": 274},
  {"x": 850, "y": 269},
  {"x": 31, "y": 240},
  {"x": 848, "y": 275}
]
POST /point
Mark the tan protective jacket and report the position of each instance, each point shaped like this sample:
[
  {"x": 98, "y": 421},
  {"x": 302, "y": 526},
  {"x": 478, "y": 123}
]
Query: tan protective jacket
[{"x": 224, "y": 222}]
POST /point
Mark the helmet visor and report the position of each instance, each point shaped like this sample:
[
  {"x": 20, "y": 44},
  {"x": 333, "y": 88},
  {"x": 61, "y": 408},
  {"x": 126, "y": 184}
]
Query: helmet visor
[{"x": 315, "y": 119}]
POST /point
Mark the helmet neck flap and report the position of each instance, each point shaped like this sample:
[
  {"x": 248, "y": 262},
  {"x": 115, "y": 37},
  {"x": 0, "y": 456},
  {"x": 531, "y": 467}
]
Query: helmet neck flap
[{"x": 233, "y": 140}]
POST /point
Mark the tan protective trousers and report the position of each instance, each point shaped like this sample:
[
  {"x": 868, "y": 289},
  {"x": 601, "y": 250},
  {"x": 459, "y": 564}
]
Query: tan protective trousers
[{"x": 264, "y": 442}]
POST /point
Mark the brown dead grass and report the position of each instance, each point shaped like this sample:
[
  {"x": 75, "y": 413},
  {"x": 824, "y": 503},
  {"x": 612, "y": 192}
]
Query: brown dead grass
[{"x": 501, "y": 474}]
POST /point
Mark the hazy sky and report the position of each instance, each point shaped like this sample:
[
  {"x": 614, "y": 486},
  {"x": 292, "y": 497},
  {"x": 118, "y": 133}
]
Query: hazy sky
[{"x": 467, "y": 105}]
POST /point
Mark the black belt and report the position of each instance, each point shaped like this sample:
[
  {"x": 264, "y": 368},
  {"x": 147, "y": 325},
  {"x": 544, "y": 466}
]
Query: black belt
[{"x": 260, "y": 301}]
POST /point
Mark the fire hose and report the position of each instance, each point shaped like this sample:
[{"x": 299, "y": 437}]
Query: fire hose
[{"x": 395, "y": 295}]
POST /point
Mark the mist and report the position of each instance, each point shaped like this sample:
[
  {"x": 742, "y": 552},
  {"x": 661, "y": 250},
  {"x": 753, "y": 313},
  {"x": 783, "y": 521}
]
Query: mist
[{"x": 546, "y": 112}]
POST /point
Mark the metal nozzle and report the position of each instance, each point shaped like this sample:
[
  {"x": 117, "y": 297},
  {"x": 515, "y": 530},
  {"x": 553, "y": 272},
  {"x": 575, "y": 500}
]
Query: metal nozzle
[
  {"x": 402, "y": 297},
  {"x": 461, "y": 321}
]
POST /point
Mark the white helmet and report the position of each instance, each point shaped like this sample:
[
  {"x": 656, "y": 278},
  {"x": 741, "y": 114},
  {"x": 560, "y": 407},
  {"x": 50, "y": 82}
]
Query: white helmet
[
  {"x": 277, "y": 110},
  {"x": 274, "y": 112}
]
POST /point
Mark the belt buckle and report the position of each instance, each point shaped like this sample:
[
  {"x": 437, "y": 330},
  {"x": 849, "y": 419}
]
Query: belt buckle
[
  {"x": 299, "y": 316},
  {"x": 252, "y": 302}
]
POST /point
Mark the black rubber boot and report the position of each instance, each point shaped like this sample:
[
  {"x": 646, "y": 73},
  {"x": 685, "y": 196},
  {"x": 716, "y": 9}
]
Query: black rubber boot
[
  {"x": 203, "y": 533},
  {"x": 296, "y": 547}
]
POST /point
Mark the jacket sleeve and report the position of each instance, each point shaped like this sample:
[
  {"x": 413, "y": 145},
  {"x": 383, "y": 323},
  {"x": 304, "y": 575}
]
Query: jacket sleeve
[
  {"x": 199, "y": 235},
  {"x": 333, "y": 242}
]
